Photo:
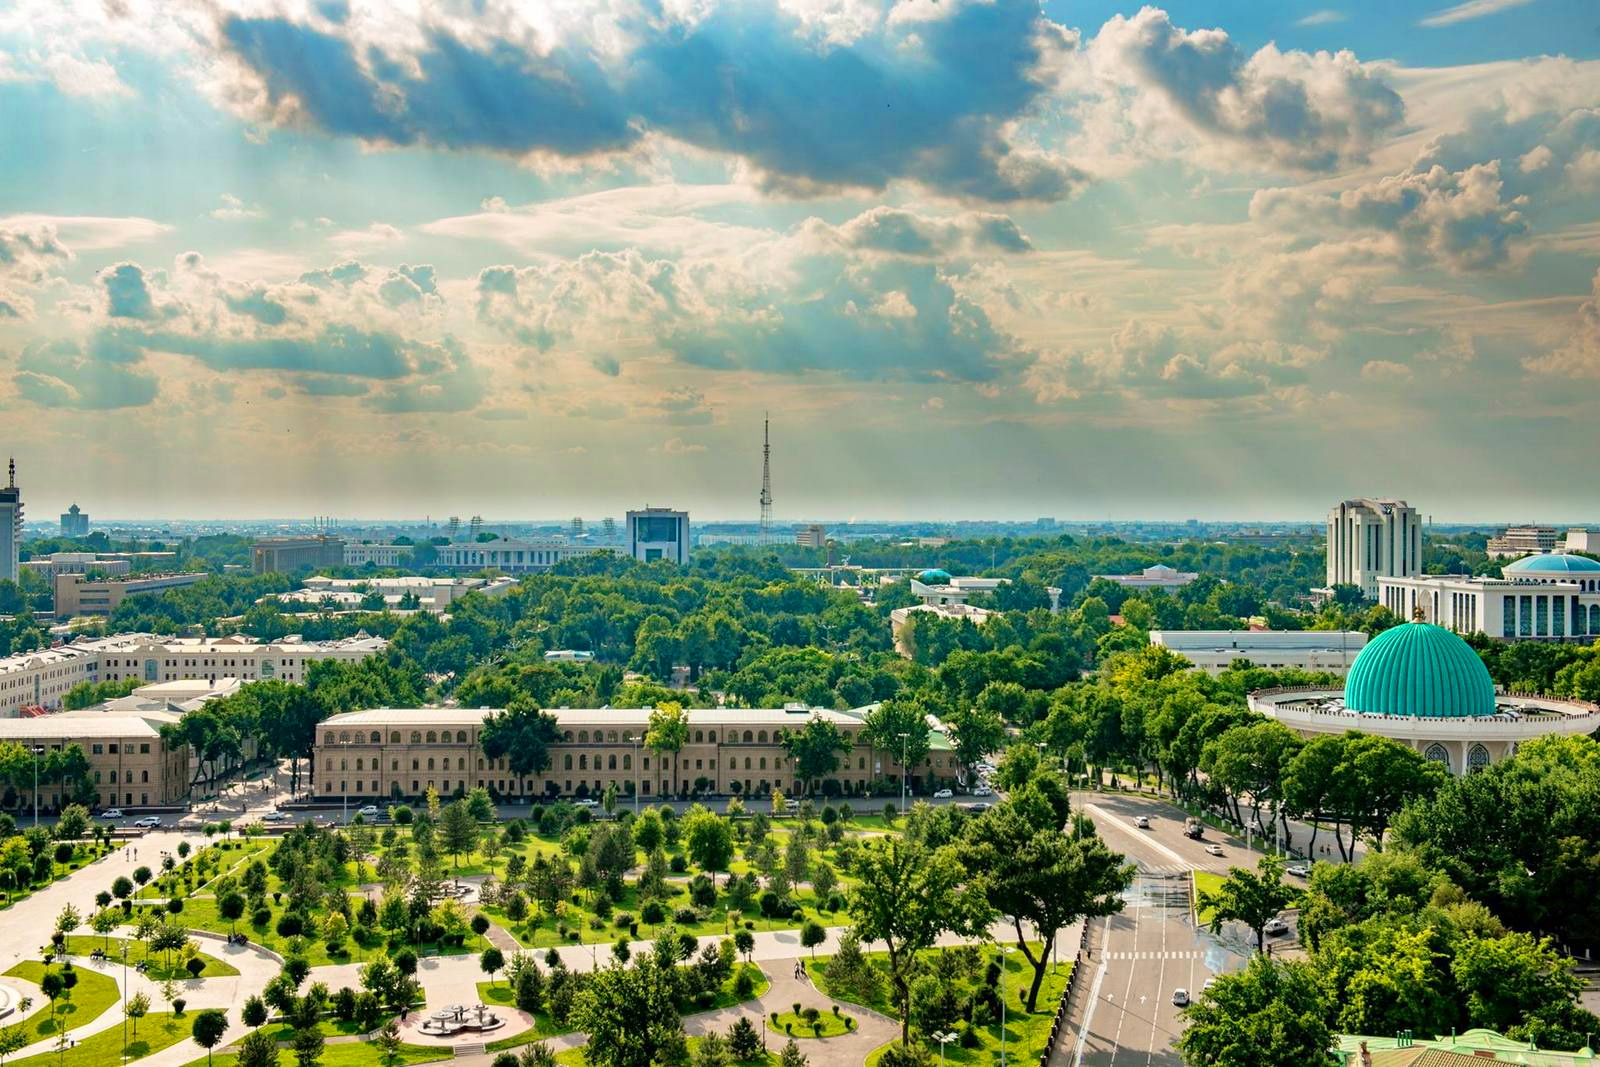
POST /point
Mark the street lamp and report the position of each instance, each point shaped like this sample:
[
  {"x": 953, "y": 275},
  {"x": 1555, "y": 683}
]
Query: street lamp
[
  {"x": 942, "y": 1037},
  {"x": 37, "y": 749},
  {"x": 905, "y": 747}
]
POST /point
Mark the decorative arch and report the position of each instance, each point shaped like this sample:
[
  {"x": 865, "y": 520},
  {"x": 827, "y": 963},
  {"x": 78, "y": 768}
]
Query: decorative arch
[
  {"x": 375, "y": 737},
  {"x": 461, "y": 737},
  {"x": 433, "y": 737},
  {"x": 1437, "y": 753},
  {"x": 1477, "y": 759},
  {"x": 416, "y": 737}
]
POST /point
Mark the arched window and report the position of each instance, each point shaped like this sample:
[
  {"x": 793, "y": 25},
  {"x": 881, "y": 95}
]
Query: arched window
[
  {"x": 327, "y": 738},
  {"x": 763, "y": 763},
  {"x": 430, "y": 763},
  {"x": 567, "y": 737},
  {"x": 1594, "y": 618},
  {"x": 461, "y": 763},
  {"x": 1438, "y": 755},
  {"x": 711, "y": 736},
  {"x": 699, "y": 737},
  {"x": 762, "y": 737},
  {"x": 433, "y": 738},
  {"x": 358, "y": 764},
  {"x": 747, "y": 763},
  {"x": 394, "y": 737},
  {"x": 374, "y": 738},
  {"x": 461, "y": 737},
  {"x": 415, "y": 765},
  {"x": 1477, "y": 759},
  {"x": 583, "y": 736},
  {"x": 583, "y": 762},
  {"x": 748, "y": 737},
  {"x": 416, "y": 737},
  {"x": 611, "y": 737},
  {"x": 861, "y": 763},
  {"x": 344, "y": 735}
]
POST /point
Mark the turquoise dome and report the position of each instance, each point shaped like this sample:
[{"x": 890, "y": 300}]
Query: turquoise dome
[
  {"x": 934, "y": 577},
  {"x": 1551, "y": 565},
  {"x": 1419, "y": 670}
]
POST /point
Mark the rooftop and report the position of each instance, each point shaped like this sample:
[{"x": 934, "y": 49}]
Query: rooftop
[
  {"x": 1553, "y": 564},
  {"x": 1419, "y": 670}
]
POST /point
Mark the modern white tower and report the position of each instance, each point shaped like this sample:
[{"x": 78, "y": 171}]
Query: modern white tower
[
  {"x": 10, "y": 525},
  {"x": 1372, "y": 539}
]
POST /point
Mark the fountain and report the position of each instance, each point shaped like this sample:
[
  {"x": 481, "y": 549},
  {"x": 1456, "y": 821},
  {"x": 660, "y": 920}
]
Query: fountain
[
  {"x": 9, "y": 1000},
  {"x": 456, "y": 1019}
]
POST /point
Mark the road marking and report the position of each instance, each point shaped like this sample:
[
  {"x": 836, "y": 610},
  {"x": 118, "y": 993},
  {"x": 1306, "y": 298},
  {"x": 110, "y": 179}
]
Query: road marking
[
  {"x": 1152, "y": 842},
  {"x": 1088, "y": 1016}
]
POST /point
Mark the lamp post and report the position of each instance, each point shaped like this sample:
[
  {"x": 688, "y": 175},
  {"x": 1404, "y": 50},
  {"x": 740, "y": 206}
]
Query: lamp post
[
  {"x": 942, "y": 1037},
  {"x": 905, "y": 747},
  {"x": 634, "y": 740},
  {"x": 36, "y": 749}
]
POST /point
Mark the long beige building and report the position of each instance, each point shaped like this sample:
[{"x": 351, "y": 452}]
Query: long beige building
[
  {"x": 78, "y": 594},
  {"x": 394, "y": 753},
  {"x": 40, "y": 680},
  {"x": 129, "y": 764}
]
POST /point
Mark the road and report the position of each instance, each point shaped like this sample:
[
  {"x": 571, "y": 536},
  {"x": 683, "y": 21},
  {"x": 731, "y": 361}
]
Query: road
[{"x": 1124, "y": 1013}]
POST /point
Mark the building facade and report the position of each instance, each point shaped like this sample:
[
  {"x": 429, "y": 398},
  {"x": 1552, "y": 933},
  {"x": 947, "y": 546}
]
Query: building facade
[
  {"x": 812, "y": 536},
  {"x": 47, "y": 567},
  {"x": 359, "y": 555},
  {"x": 1550, "y": 597},
  {"x": 418, "y": 593},
  {"x": 1372, "y": 539},
  {"x": 285, "y": 555},
  {"x": 129, "y": 764},
  {"x": 1158, "y": 577},
  {"x": 74, "y": 522},
  {"x": 395, "y": 753},
  {"x": 659, "y": 533},
  {"x": 1521, "y": 541},
  {"x": 10, "y": 526},
  {"x": 1214, "y": 651},
  {"x": 78, "y": 594},
  {"x": 41, "y": 680},
  {"x": 512, "y": 557}
]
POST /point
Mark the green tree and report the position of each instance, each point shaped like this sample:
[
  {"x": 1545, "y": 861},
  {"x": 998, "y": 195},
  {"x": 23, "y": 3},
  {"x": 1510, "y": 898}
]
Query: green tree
[
  {"x": 490, "y": 962},
  {"x": 812, "y": 934},
  {"x": 979, "y": 730},
  {"x": 906, "y": 896},
  {"x": 815, "y": 750},
  {"x": 388, "y": 1043},
  {"x": 1271, "y": 1014},
  {"x": 307, "y": 1045},
  {"x": 898, "y": 728},
  {"x": 523, "y": 734},
  {"x": 138, "y": 1007},
  {"x": 631, "y": 1016},
  {"x": 209, "y": 1026},
  {"x": 458, "y": 830},
  {"x": 1251, "y": 897},
  {"x": 258, "y": 1049},
  {"x": 709, "y": 840},
  {"x": 668, "y": 732}
]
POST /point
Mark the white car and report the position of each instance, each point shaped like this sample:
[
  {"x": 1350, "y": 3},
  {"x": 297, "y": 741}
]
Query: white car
[
  {"x": 1214, "y": 848},
  {"x": 1180, "y": 997},
  {"x": 586, "y": 802},
  {"x": 943, "y": 794},
  {"x": 983, "y": 791},
  {"x": 1142, "y": 821},
  {"x": 148, "y": 822},
  {"x": 111, "y": 813},
  {"x": 369, "y": 811},
  {"x": 1299, "y": 870},
  {"x": 1275, "y": 928},
  {"x": 276, "y": 816}
]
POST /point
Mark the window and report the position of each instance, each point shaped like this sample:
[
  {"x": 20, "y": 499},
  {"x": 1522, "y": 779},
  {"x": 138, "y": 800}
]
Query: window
[
  {"x": 583, "y": 762},
  {"x": 144, "y": 776},
  {"x": 416, "y": 737},
  {"x": 95, "y": 749},
  {"x": 416, "y": 765},
  {"x": 430, "y": 763},
  {"x": 583, "y": 737},
  {"x": 747, "y": 737},
  {"x": 432, "y": 737},
  {"x": 699, "y": 737},
  {"x": 747, "y": 763},
  {"x": 611, "y": 763},
  {"x": 374, "y": 737},
  {"x": 566, "y": 762},
  {"x": 627, "y": 762},
  {"x": 394, "y": 737},
  {"x": 1477, "y": 759},
  {"x": 763, "y": 767},
  {"x": 762, "y": 737},
  {"x": 1438, "y": 755}
]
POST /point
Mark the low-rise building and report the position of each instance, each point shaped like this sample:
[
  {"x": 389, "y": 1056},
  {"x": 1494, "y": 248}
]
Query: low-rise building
[
  {"x": 1521, "y": 541},
  {"x": 1160, "y": 576},
  {"x": 47, "y": 567},
  {"x": 512, "y": 557},
  {"x": 32, "y": 682},
  {"x": 289, "y": 554},
  {"x": 379, "y": 555},
  {"x": 411, "y": 592},
  {"x": 1214, "y": 651},
  {"x": 942, "y": 596},
  {"x": 395, "y": 753},
  {"x": 79, "y": 594},
  {"x": 1550, "y": 597},
  {"x": 129, "y": 763},
  {"x": 812, "y": 536}
]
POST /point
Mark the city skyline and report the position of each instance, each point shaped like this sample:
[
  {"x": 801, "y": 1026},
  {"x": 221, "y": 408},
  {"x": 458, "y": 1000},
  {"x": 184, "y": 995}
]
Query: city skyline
[{"x": 1124, "y": 263}]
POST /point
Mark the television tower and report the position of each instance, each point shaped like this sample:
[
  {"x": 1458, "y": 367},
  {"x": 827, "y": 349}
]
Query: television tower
[{"x": 766, "y": 481}]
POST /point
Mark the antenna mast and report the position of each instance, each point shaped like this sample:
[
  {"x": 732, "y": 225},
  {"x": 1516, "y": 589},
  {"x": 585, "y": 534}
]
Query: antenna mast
[{"x": 766, "y": 481}]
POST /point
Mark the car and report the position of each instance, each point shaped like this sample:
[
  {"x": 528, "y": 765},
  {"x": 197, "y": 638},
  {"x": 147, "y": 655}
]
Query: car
[
  {"x": 1142, "y": 821},
  {"x": 1214, "y": 848},
  {"x": 149, "y": 822},
  {"x": 1209, "y": 983},
  {"x": 943, "y": 794},
  {"x": 791, "y": 804},
  {"x": 1299, "y": 870},
  {"x": 276, "y": 816},
  {"x": 978, "y": 807},
  {"x": 1180, "y": 997},
  {"x": 1275, "y": 927},
  {"x": 111, "y": 813},
  {"x": 367, "y": 811},
  {"x": 586, "y": 802},
  {"x": 983, "y": 791}
]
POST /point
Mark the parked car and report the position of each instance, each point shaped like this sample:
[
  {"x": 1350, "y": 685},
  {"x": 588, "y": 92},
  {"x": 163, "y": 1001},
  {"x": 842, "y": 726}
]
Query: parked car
[
  {"x": 943, "y": 794},
  {"x": 1180, "y": 997},
  {"x": 979, "y": 807},
  {"x": 1142, "y": 821},
  {"x": 1214, "y": 848},
  {"x": 1275, "y": 928},
  {"x": 276, "y": 816},
  {"x": 586, "y": 802},
  {"x": 368, "y": 811},
  {"x": 148, "y": 822},
  {"x": 111, "y": 813},
  {"x": 983, "y": 791},
  {"x": 1299, "y": 870}
]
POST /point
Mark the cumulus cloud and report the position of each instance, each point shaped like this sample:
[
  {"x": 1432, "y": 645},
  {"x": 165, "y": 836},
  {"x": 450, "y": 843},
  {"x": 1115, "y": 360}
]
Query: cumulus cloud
[
  {"x": 906, "y": 233},
  {"x": 1579, "y": 357},
  {"x": 1291, "y": 110},
  {"x": 63, "y": 374},
  {"x": 233, "y": 210},
  {"x": 27, "y": 254},
  {"x": 929, "y": 96}
]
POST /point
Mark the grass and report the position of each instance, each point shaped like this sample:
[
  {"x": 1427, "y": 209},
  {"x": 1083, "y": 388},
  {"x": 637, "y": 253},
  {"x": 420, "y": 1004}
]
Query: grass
[
  {"x": 78, "y": 1006},
  {"x": 357, "y": 1054},
  {"x": 1026, "y": 1034},
  {"x": 1205, "y": 882},
  {"x": 156, "y": 1032},
  {"x": 791, "y": 1025},
  {"x": 329, "y": 1028},
  {"x": 573, "y": 1057},
  {"x": 83, "y": 944},
  {"x": 502, "y": 995},
  {"x": 82, "y": 857}
]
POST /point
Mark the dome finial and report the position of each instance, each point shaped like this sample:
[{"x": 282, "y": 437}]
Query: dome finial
[{"x": 1417, "y": 614}]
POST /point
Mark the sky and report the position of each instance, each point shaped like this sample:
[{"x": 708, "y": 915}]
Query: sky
[{"x": 976, "y": 258}]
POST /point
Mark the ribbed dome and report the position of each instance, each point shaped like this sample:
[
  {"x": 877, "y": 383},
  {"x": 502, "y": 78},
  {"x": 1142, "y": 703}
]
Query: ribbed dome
[
  {"x": 1554, "y": 564},
  {"x": 1420, "y": 670},
  {"x": 934, "y": 577}
]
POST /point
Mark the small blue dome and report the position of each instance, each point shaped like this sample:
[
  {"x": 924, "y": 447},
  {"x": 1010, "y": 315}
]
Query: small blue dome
[
  {"x": 934, "y": 577},
  {"x": 1419, "y": 670},
  {"x": 1553, "y": 565}
]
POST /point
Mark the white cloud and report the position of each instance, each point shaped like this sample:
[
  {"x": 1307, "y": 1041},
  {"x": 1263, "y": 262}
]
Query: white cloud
[
  {"x": 1471, "y": 9},
  {"x": 233, "y": 209},
  {"x": 1325, "y": 17},
  {"x": 92, "y": 233}
]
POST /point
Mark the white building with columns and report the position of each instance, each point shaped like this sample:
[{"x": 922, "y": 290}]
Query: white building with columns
[
  {"x": 1551, "y": 597},
  {"x": 1369, "y": 539}
]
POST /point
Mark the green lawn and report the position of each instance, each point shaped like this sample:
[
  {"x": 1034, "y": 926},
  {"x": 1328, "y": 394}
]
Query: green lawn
[
  {"x": 156, "y": 1032},
  {"x": 81, "y": 1004},
  {"x": 573, "y": 1057},
  {"x": 353, "y": 1054},
  {"x": 500, "y": 994},
  {"x": 83, "y": 944},
  {"x": 791, "y": 1025},
  {"x": 1205, "y": 882},
  {"x": 85, "y": 855},
  {"x": 1026, "y": 1035}
]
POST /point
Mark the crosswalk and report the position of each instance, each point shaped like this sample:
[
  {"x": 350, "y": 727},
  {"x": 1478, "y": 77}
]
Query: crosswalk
[
  {"x": 1163, "y": 871},
  {"x": 1155, "y": 954}
]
